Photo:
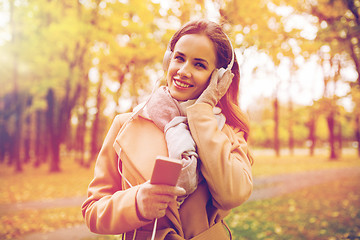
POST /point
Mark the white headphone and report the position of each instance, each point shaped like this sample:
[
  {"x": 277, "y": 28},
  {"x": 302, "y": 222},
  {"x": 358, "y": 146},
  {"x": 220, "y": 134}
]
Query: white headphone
[{"x": 221, "y": 72}]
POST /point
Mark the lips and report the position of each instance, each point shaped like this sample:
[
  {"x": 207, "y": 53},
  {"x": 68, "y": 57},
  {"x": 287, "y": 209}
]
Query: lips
[{"x": 181, "y": 84}]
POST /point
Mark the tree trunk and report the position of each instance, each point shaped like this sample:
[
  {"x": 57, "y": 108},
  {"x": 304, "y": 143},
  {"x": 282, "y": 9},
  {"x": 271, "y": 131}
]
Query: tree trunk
[
  {"x": 27, "y": 139},
  {"x": 331, "y": 126},
  {"x": 41, "y": 138},
  {"x": 312, "y": 135},
  {"x": 80, "y": 139},
  {"x": 53, "y": 132},
  {"x": 81, "y": 127},
  {"x": 18, "y": 112},
  {"x": 38, "y": 134},
  {"x": 95, "y": 130},
  {"x": 339, "y": 140},
  {"x": 6, "y": 105},
  {"x": 291, "y": 124},
  {"x": 276, "y": 127},
  {"x": 357, "y": 133},
  {"x": 28, "y": 130},
  {"x": 17, "y": 138},
  {"x": 4, "y": 141},
  {"x": 55, "y": 161},
  {"x": 83, "y": 96},
  {"x": 64, "y": 113}
]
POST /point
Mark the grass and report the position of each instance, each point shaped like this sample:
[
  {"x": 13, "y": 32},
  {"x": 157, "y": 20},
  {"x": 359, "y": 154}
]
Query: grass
[
  {"x": 251, "y": 219},
  {"x": 24, "y": 222},
  {"x": 327, "y": 211},
  {"x": 35, "y": 184}
]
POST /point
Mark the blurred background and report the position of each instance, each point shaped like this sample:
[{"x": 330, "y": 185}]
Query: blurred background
[{"x": 67, "y": 68}]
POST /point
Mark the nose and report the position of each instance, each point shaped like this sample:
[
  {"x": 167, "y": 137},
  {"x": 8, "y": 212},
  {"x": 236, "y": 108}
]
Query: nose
[{"x": 184, "y": 70}]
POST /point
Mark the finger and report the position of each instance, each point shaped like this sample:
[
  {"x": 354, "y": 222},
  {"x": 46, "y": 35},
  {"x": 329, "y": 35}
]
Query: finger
[
  {"x": 228, "y": 75},
  {"x": 162, "y": 199},
  {"x": 163, "y": 206},
  {"x": 179, "y": 191},
  {"x": 158, "y": 210},
  {"x": 160, "y": 213},
  {"x": 214, "y": 76},
  {"x": 159, "y": 189},
  {"x": 158, "y": 206},
  {"x": 152, "y": 210},
  {"x": 171, "y": 190},
  {"x": 156, "y": 197},
  {"x": 225, "y": 82}
]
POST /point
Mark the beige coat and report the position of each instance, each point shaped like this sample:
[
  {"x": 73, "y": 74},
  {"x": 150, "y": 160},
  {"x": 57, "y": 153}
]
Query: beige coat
[{"x": 110, "y": 207}]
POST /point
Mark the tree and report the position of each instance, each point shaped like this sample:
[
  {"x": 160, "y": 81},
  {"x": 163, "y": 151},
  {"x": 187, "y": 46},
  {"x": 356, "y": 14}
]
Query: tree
[
  {"x": 15, "y": 31},
  {"x": 52, "y": 42},
  {"x": 52, "y": 122},
  {"x": 276, "y": 127},
  {"x": 261, "y": 25},
  {"x": 311, "y": 124},
  {"x": 57, "y": 31},
  {"x": 340, "y": 21}
]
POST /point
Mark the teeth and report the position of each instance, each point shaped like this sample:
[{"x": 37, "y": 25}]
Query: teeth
[{"x": 181, "y": 84}]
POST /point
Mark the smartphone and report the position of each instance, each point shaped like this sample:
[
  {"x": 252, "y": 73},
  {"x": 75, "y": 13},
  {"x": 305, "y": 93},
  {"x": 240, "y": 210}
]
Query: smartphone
[{"x": 166, "y": 171}]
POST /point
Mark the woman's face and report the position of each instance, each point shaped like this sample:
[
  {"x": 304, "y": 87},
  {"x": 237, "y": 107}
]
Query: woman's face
[{"x": 192, "y": 62}]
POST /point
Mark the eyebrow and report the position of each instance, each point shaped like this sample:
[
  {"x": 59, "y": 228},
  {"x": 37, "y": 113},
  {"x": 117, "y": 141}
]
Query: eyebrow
[{"x": 196, "y": 59}]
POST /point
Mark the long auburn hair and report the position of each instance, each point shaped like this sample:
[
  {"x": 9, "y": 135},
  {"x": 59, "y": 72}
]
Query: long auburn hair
[{"x": 229, "y": 103}]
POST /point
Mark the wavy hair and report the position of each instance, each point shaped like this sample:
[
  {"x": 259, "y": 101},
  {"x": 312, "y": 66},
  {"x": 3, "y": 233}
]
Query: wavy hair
[{"x": 229, "y": 102}]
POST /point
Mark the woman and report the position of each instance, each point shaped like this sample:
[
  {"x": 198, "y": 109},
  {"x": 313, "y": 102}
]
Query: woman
[{"x": 195, "y": 118}]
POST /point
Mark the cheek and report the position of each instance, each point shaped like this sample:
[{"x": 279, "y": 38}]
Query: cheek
[
  {"x": 201, "y": 85},
  {"x": 168, "y": 75},
  {"x": 172, "y": 69},
  {"x": 203, "y": 81},
  {"x": 168, "y": 78}
]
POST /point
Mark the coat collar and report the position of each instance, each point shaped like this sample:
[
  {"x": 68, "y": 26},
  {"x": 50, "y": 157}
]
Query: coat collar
[{"x": 140, "y": 141}]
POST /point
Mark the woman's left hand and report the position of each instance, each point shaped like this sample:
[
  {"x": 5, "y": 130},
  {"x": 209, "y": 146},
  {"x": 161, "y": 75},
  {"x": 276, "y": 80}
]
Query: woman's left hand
[{"x": 217, "y": 88}]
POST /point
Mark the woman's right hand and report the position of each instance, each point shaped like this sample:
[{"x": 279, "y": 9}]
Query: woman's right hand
[{"x": 152, "y": 200}]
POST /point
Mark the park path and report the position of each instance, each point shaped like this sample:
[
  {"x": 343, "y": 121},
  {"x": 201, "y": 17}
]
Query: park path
[{"x": 264, "y": 188}]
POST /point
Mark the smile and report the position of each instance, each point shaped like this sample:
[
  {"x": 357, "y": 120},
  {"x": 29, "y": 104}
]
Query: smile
[{"x": 182, "y": 84}]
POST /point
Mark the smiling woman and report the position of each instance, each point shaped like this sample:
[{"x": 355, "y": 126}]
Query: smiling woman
[
  {"x": 190, "y": 67},
  {"x": 194, "y": 119}
]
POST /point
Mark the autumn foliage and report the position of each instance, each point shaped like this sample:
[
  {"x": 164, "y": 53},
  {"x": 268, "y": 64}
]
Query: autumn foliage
[{"x": 68, "y": 67}]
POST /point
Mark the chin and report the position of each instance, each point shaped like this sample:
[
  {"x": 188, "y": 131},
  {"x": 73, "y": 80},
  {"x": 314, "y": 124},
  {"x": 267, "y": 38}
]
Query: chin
[
  {"x": 178, "y": 97},
  {"x": 181, "y": 95}
]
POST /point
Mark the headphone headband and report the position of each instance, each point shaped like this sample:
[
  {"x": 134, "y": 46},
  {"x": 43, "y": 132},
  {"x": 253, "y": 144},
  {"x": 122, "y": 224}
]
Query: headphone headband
[{"x": 232, "y": 54}]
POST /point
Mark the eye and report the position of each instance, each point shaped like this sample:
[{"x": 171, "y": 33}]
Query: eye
[
  {"x": 200, "y": 65},
  {"x": 179, "y": 58}
]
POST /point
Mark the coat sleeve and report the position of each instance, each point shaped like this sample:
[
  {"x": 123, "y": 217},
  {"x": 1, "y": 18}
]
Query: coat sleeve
[
  {"x": 108, "y": 209},
  {"x": 224, "y": 157}
]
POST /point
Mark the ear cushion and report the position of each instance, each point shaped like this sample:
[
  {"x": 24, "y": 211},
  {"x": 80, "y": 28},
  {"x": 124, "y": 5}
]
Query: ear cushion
[
  {"x": 221, "y": 72},
  {"x": 166, "y": 60}
]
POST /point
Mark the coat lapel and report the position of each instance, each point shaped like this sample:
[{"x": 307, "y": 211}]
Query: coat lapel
[{"x": 139, "y": 142}]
